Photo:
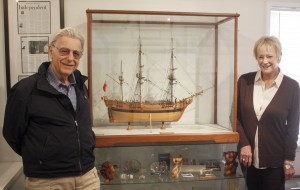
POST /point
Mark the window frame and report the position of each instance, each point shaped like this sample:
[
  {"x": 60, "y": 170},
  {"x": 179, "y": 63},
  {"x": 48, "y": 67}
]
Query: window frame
[{"x": 284, "y": 6}]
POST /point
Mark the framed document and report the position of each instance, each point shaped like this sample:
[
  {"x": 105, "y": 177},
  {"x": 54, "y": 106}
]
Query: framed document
[{"x": 28, "y": 27}]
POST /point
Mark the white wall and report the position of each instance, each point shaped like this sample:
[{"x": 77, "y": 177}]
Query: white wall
[
  {"x": 252, "y": 25},
  {"x": 6, "y": 154}
]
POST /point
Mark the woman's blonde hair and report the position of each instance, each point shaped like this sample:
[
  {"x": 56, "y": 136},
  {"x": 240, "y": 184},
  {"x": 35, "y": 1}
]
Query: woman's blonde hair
[{"x": 268, "y": 41}]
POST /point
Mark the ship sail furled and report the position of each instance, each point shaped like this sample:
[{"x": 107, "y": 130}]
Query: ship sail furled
[{"x": 139, "y": 110}]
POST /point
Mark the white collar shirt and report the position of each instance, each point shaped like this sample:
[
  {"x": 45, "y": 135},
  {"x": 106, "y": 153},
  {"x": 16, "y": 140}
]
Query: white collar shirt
[{"x": 261, "y": 99}]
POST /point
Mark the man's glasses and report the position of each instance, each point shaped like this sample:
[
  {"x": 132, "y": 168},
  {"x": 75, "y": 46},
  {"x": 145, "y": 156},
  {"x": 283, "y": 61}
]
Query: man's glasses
[{"x": 66, "y": 51}]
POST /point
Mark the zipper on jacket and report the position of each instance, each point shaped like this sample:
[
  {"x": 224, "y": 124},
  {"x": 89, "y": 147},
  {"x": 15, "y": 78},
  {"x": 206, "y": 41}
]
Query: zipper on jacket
[{"x": 78, "y": 140}]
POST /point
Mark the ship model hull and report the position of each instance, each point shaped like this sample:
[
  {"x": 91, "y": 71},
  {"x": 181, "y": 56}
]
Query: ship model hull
[{"x": 134, "y": 112}]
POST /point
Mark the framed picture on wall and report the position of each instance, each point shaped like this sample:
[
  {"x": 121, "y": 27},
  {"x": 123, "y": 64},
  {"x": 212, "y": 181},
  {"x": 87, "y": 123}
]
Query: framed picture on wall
[
  {"x": 28, "y": 27},
  {"x": 34, "y": 51}
]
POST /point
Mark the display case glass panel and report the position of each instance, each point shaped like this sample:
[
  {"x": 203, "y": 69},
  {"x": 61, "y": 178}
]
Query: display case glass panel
[
  {"x": 151, "y": 167},
  {"x": 162, "y": 73}
]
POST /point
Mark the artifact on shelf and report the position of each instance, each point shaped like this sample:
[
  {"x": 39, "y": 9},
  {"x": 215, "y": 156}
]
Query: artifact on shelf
[
  {"x": 192, "y": 168},
  {"x": 164, "y": 157},
  {"x": 107, "y": 171},
  {"x": 177, "y": 163},
  {"x": 158, "y": 168},
  {"x": 230, "y": 163},
  {"x": 212, "y": 164},
  {"x": 207, "y": 174},
  {"x": 138, "y": 109},
  {"x": 131, "y": 166}
]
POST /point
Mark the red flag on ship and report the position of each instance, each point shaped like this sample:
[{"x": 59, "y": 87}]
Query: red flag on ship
[{"x": 104, "y": 86}]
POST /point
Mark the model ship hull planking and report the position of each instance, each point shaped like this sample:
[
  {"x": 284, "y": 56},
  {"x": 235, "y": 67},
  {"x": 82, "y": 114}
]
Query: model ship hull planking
[{"x": 131, "y": 112}]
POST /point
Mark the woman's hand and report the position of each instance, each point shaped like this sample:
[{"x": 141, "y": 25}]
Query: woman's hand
[
  {"x": 246, "y": 156},
  {"x": 289, "y": 173},
  {"x": 289, "y": 169}
]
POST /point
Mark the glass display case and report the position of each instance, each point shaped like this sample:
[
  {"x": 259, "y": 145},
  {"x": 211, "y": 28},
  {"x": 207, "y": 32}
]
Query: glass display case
[
  {"x": 162, "y": 89},
  {"x": 151, "y": 167},
  {"x": 159, "y": 77}
]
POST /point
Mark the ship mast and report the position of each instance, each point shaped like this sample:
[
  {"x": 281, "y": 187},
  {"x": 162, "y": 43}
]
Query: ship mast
[
  {"x": 171, "y": 77},
  {"x": 139, "y": 75},
  {"x": 121, "y": 79}
]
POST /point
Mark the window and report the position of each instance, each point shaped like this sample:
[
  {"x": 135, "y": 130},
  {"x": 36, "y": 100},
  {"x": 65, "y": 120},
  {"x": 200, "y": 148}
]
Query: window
[{"x": 285, "y": 24}]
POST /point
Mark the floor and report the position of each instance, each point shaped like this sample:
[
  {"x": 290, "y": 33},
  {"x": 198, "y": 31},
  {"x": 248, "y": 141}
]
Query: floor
[{"x": 293, "y": 184}]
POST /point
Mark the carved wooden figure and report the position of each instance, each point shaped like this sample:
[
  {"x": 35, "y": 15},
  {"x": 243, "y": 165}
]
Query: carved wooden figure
[
  {"x": 177, "y": 162},
  {"x": 231, "y": 163}
]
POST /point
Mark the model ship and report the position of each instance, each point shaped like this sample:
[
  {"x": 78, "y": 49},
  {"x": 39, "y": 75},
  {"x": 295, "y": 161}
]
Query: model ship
[{"x": 140, "y": 110}]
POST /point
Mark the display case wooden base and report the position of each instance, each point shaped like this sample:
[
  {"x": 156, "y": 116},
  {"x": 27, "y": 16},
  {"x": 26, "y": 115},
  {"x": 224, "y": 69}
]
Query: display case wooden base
[{"x": 116, "y": 140}]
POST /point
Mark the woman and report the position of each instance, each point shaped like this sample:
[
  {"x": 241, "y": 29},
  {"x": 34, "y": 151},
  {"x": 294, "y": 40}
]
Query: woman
[{"x": 268, "y": 119}]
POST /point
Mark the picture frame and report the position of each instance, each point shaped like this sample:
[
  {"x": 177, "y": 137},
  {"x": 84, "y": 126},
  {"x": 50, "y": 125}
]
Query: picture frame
[{"x": 28, "y": 27}]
